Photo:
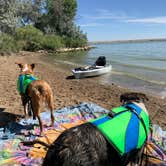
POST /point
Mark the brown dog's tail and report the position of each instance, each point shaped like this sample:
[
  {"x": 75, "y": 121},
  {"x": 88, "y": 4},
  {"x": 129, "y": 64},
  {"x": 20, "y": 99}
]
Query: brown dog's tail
[{"x": 45, "y": 95}]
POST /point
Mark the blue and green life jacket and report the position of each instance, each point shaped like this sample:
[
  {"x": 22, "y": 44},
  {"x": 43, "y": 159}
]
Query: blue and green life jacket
[
  {"x": 127, "y": 130},
  {"x": 23, "y": 82}
]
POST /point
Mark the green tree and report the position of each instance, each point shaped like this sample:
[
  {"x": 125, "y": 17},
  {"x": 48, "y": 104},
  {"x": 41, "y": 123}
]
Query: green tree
[
  {"x": 8, "y": 15},
  {"x": 8, "y": 43},
  {"x": 59, "y": 19},
  {"x": 31, "y": 36},
  {"x": 53, "y": 17},
  {"x": 14, "y": 13},
  {"x": 59, "y": 16},
  {"x": 76, "y": 37},
  {"x": 29, "y": 11}
]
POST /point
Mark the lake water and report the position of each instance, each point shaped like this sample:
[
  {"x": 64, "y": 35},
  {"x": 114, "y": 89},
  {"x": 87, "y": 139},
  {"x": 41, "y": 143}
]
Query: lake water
[{"x": 139, "y": 66}]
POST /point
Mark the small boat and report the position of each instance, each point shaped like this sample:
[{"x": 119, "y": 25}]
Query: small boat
[{"x": 91, "y": 71}]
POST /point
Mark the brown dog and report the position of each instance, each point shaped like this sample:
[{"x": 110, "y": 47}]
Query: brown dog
[{"x": 34, "y": 90}]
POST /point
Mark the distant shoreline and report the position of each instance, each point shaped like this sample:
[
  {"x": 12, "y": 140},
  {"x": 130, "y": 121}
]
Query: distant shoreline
[{"x": 128, "y": 41}]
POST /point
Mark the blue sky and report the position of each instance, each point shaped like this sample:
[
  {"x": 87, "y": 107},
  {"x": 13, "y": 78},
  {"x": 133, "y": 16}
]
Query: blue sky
[{"x": 122, "y": 19}]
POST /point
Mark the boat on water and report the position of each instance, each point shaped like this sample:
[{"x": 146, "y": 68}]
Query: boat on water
[
  {"x": 91, "y": 71},
  {"x": 99, "y": 68}
]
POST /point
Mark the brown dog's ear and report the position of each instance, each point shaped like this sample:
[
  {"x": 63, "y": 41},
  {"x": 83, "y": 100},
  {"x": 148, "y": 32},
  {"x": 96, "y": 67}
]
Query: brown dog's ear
[
  {"x": 20, "y": 65},
  {"x": 32, "y": 65}
]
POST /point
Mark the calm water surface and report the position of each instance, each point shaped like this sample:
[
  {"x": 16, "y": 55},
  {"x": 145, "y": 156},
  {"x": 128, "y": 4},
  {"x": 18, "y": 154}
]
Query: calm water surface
[{"x": 139, "y": 66}]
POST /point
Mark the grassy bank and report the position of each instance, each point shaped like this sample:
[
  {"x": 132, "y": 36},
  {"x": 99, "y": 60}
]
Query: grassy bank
[{"x": 29, "y": 38}]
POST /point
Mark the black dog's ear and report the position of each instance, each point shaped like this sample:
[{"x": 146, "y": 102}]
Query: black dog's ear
[
  {"x": 32, "y": 65},
  {"x": 20, "y": 65},
  {"x": 143, "y": 97},
  {"x": 133, "y": 96},
  {"x": 122, "y": 98}
]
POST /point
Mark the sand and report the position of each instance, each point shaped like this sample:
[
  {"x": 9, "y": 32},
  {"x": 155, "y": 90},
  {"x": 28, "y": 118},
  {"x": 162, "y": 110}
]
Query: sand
[{"x": 67, "y": 91}]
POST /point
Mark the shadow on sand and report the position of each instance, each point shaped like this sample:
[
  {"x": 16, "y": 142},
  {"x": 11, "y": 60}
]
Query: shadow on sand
[
  {"x": 70, "y": 77},
  {"x": 6, "y": 117}
]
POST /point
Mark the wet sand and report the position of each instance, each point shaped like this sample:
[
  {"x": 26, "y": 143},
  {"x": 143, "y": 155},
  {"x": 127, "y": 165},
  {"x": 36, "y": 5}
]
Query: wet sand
[{"x": 67, "y": 91}]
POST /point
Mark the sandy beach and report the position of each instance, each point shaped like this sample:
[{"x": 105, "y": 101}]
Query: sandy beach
[{"x": 67, "y": 91}]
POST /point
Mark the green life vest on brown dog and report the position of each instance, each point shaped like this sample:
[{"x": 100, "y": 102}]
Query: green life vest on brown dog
[{"x": 23, "y": 82}]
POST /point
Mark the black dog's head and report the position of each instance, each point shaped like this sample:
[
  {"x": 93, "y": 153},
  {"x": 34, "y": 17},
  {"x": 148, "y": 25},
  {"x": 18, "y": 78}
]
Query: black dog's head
[{"x": 133, "y": 97}]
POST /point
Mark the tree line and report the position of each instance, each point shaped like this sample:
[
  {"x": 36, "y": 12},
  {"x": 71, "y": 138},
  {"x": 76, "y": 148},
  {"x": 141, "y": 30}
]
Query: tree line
[{"x": 39, "y": 24}]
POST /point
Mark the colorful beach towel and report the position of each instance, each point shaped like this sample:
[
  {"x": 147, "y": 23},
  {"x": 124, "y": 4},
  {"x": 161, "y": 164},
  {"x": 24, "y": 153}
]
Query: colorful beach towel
[{"x": 14, "y": 153}]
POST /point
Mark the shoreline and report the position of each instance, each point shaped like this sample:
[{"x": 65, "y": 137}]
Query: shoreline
[
  {"x": 63, "y": 50},
  {"x": 60, "y": 50},
  {"x": 129, "y": 41},
  {"x": 137, "y": 84},
  {"x": 67, "y": 91}
]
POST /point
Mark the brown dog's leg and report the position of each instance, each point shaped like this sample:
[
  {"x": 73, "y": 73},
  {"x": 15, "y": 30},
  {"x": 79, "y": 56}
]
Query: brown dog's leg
[
  {"x": 40, "y": 124},
  {"x": 52, "y": 118},
  {"x": 25, "y": 111},
  {"x": 36, "y": 107},
  {"x": 51, "y": 107},
  {"x": 24, "y": 103}
]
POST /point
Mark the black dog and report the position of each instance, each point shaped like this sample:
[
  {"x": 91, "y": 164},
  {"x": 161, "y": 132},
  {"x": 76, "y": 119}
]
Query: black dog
[{"x": 84, "y": 145}]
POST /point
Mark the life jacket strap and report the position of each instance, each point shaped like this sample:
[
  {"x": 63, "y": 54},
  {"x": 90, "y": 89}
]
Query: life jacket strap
[
  {"x": 112, "y": 114},
  {"x": 139, "y": 117},
  {"x": 132, "y": 108}
]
